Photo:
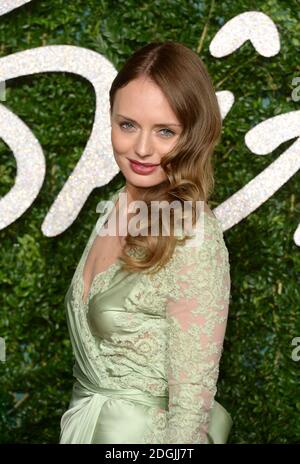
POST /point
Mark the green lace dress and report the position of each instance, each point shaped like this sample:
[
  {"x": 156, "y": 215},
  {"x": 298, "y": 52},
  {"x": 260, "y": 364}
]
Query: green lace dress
[{"x": 147, "y": 348}]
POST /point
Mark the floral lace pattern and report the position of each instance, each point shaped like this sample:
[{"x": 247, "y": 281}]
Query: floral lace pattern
[
  {"x": 115, "y": 360},
  {"x": 197, "y": 312},
  {"x": 177, "y": 319}
]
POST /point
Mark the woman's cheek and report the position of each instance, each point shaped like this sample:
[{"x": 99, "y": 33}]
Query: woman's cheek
[{"x": 121, "y": 143}]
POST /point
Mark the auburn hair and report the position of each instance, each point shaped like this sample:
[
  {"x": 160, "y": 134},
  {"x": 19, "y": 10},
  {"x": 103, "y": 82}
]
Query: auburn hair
[{"x": 185, "y": 82}]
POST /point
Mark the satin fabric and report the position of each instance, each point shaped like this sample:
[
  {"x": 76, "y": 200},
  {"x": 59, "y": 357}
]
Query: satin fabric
[
  {"x": 96, "y": 412},
  {"x": 106, "y": 416}
]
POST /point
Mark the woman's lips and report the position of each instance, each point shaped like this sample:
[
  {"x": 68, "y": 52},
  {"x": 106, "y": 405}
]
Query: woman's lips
[
  {"x": 140, "y": 168},
  {"x": 143, "y": 164}
]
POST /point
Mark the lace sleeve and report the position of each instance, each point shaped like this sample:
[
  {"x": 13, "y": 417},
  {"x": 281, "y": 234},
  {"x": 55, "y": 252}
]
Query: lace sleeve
[{"x": 196, "y": 312}]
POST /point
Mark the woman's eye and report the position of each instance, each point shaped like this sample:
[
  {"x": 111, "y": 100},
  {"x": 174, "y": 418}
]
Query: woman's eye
[
  {"x": 122, "y": 124},
  {"x": 168, "y": 133}
]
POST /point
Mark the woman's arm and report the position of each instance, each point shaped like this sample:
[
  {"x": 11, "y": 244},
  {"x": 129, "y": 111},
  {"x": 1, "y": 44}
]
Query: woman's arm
[{"x": 197, "y": 311}]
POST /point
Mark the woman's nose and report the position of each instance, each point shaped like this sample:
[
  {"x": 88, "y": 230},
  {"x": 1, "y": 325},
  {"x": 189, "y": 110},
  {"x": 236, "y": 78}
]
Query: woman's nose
[{"x": 143, "y": 144}]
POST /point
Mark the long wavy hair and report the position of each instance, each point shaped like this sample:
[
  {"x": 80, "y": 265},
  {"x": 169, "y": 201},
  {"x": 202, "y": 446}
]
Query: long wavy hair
[{"x": 185, "y": 82}]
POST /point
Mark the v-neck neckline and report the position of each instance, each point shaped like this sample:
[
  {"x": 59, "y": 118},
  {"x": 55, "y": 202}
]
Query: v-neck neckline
[
  {"x": 213, "y": 220},
  {"x": 115, "y": 264}
]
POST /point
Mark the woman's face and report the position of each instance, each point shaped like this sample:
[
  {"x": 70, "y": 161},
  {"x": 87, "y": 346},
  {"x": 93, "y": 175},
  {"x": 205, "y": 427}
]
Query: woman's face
[{"x": 143, "y": 129}]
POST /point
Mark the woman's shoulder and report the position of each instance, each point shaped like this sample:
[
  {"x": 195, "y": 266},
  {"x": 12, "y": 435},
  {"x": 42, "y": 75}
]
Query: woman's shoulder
[
  {"x": 204, "y": 249},
  {"x": 202, "y": 259},
  {"x": 207, "y": 230}
]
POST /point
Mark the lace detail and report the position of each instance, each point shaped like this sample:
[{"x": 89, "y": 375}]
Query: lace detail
[
  {"x": 115, "y": 360},
  {"x": 197, "y": 312},
  {"x": 156, "y": 426},
  {"x": 176, "y": 321},
  {"x": 101, "y": 281}
]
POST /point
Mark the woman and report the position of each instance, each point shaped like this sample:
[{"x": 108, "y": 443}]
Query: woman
[{"x": 147, "y": 313}]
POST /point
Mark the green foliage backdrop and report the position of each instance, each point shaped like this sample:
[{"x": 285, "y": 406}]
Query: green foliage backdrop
[{"x": 259, "y": 381}]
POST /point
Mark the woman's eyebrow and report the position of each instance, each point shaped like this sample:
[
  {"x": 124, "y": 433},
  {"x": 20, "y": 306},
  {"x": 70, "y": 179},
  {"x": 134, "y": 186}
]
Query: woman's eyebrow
[{"x": 155, "y": 125}]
